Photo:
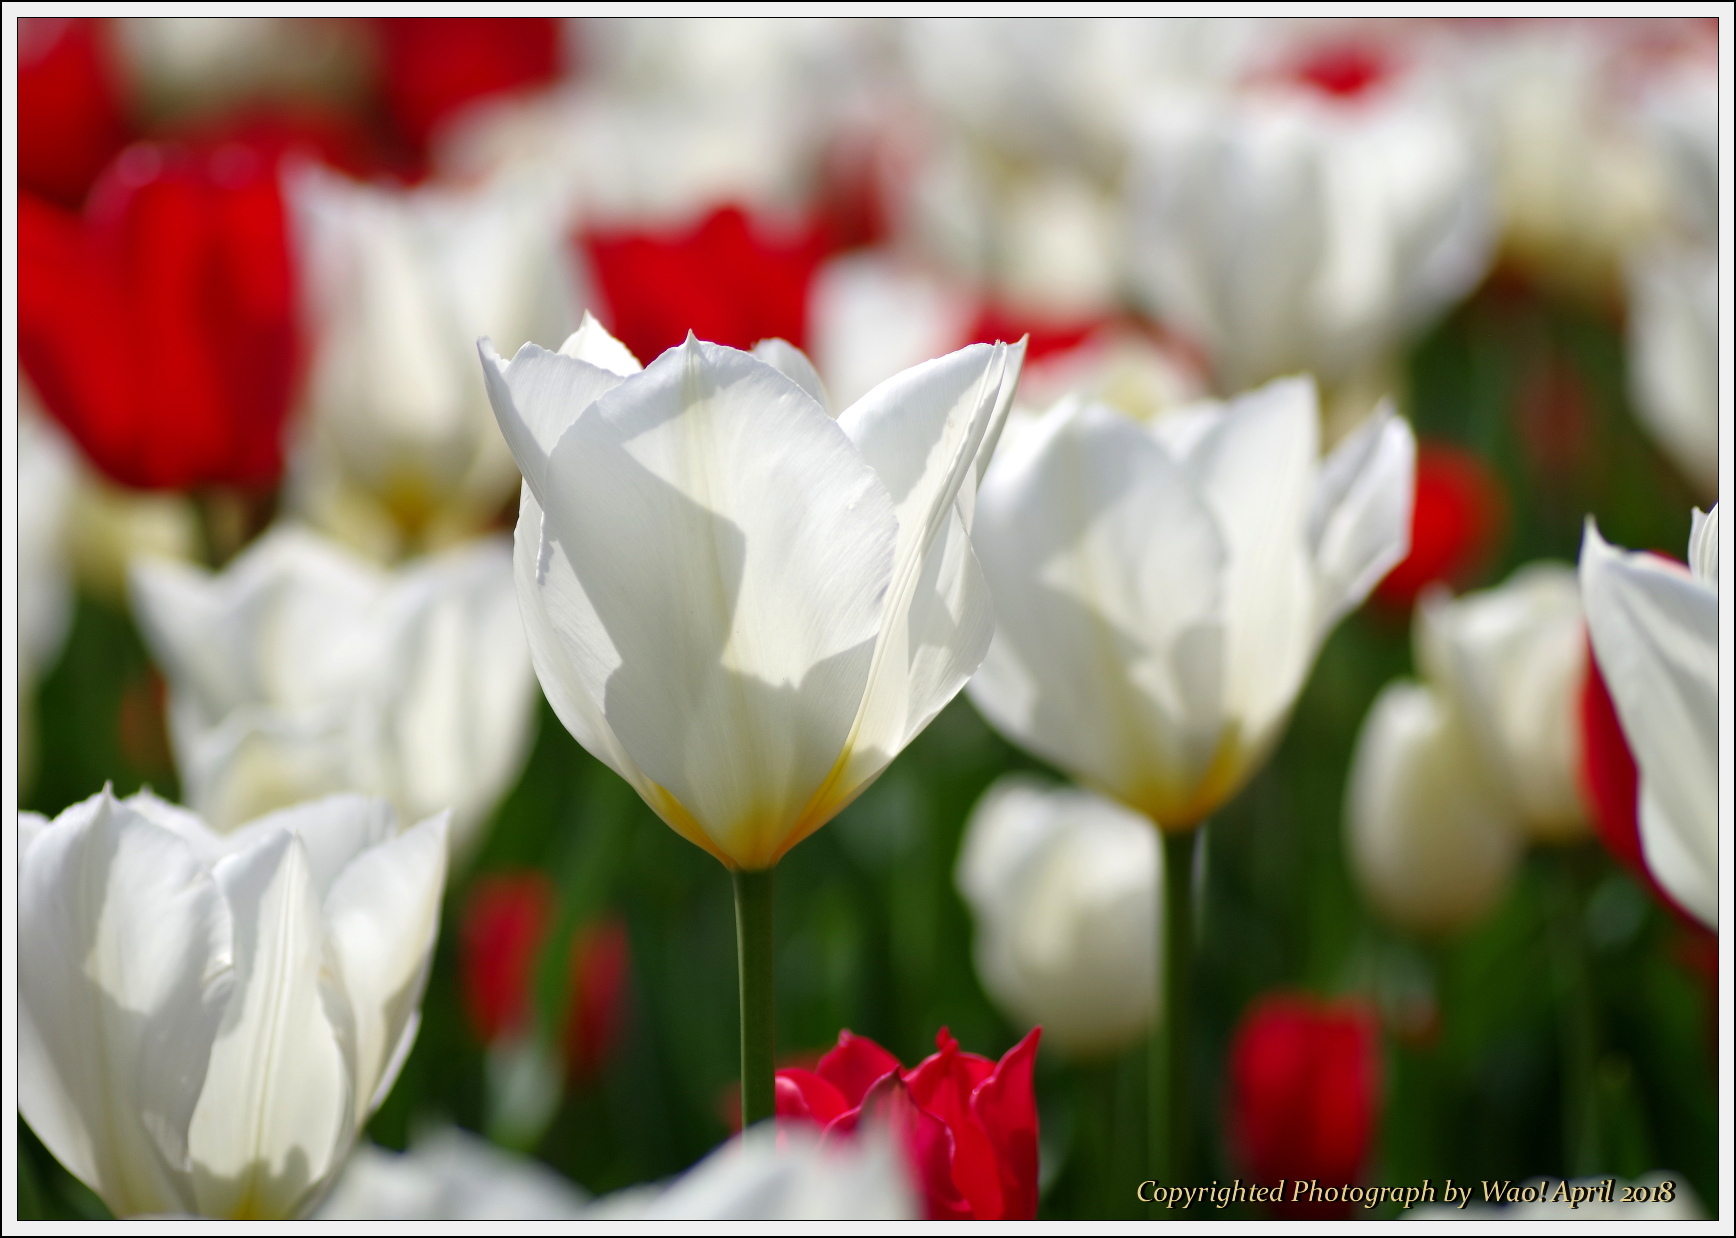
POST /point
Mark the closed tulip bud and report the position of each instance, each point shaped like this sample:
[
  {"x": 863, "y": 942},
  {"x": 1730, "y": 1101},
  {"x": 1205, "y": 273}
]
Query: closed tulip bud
[
  {"x": 1654, "y": 631},
  {"x": 1161, "y": 590},
  {"x": 1065, "y": 888},
  {"x": 301, "y": 670},
  {"x": 1511, "y": 660},
  {"x": 968, "y": 1126},
  {"x": 1304, "y": 1093},
  {"x": 1433, "y": 839},
  {"x": 207, "y": 1020},
  {"x": 745, "y": 607}
]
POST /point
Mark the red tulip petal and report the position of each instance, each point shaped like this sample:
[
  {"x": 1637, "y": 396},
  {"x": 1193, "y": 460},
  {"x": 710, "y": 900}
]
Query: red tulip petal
[
  {"x": 70, "y": 122},
  {"x": 500, "y": 930},
  {"x": 599, "y": 960},
  {"x": 856, "y": 1065},
  {"x": 942, "y": 1085},
  {"x": 802, "y": 1094},
  {"x": 1005, "y": 1104},
  {"x": 926, "y": 1141}
]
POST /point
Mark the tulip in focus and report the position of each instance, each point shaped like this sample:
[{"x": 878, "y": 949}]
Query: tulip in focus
[
  {"x": 160, "y": 328},
  {"x": 1654, "y": 631},
  {"x": 968, "y": 1125},
  {"x": 400, "y": 450},
  {"x": 206, "y": 1020},
  {"x": 1304, "y": 1094},
  {"x": 1161, "y": 590},
  {"x": 1064, "y": 886},
  {"x": 301, "y": 670},
  {"x": 742, "y": 606}
]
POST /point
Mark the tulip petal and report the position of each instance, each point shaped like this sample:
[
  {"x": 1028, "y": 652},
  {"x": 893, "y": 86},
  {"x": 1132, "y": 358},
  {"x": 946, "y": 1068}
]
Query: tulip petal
[
  {"x": 741, "y": 659},
  {"x": 1703, "y": 547},
  {"x": 854, "y": 1065},
  {"x": 1432, "y": 843},
  {"x": 593, "y": 343},
  {"x": 1005, "y": 1106},
  {"x": 540, "y": 394},
  {"x": 1360, "y": 514},
  {"x": 803, "y": 1094},
  {"x": 793, "y": 364},
  {"x": 119, "y": 998},
  {"x": 1655, "y": 632},
  {"x": 1106, "y": 656},
  {"x": 382, "y": 913},
  {"x": 1255, "y": 469},
  {"x": 275, "y": 1113}
]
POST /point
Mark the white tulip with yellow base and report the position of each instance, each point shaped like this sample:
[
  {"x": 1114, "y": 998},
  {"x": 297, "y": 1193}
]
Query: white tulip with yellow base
[{"x": 206, "y": 1020}]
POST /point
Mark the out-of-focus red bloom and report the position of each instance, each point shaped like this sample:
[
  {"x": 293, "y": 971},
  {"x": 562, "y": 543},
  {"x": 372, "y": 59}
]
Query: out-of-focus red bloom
[
  {"x": 70, "y": 122},
  {"x": 729, "y": 279},
  {"x": 160, "y": 327},
  {"x": 433, "y": 66},
  {"x": 505, "y": 920},
  {"x": 1455, "y": 524},
  {"x": 302, "y": 130},
  {"x": 598, "y": 960},
  {"x": 1046, "y": 336},
  {"x": 1350, "y": 69},
  {"x": 1304, "y": 1092},
  {"x": 968, "y": 1125}
]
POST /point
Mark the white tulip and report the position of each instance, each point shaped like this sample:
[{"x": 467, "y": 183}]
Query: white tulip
[
  {"x": 1654, "y": 631},
  {"x": 206, "y": 1020},
  {"x": 1673, "y": 354},
  {"x": 1161, "y": 590},
  {"x": 1286, "y": 232},
  {"x": 870, "y": 317},
  {"x": 1065, "y": 889},
  {"x": 449, "y": 1174},
  {"x": 1433, "y": 840},
  {"x": 742, "y": 606},
  {"x": 400, "y": 448},
  {"x": 1511, "y": 661},
  {"x": 789, "y": 1176},
  {"x": 47, "y": 473},
  {"x": 302, "y": 669}
]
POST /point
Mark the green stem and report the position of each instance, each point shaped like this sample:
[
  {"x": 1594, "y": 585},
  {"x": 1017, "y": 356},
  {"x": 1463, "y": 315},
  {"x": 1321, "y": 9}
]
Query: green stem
[
  {"x": 1171, "y": 1112},
  {"x": 1577, "y": 1012},
  {"x": 753, "y": 942}
]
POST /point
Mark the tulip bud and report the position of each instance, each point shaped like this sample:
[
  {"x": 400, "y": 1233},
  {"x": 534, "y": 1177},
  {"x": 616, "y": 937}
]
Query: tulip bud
[
  {"x": 1066, "y": 887},
  {"x": 1304, "y": 1094},
  {"x": 968, "y": 1126},
  {"x": 207, "y": 1020}
]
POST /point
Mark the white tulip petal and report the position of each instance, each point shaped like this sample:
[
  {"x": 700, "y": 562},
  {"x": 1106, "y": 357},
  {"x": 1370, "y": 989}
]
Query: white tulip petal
[
  {"x": 1703, "y": 547},
  {"x": 382, "y": 913},
  {"x": 120, "y": 994},
  {"x": 258, "y": 760},
  {"x": 1432, "y": 843},
  {"x": 1684, "y": 860},
  {"x": 1360, "y": 514},
  {"x": 793, "y": 364},
  {"x": 333, "y": 831},
  {"x": 744, "y": 654},
  {"x": 1655, "y": 631},
  {"x": 537, "y": 397},
  {"x": 1255, "y": 469},
  {"x": 1106, "y": 656},
  {"x": 593, "y": 343},
  {"x": 30, "y": 827},
  {"x": 275, "y": 1115}
]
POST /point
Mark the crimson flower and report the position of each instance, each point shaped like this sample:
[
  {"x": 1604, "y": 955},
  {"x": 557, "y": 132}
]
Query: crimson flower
[
  {"x": 968, "y": 1125},
  {"x": 70, "y": 122},
  {"x": 1455, "y": 524},
  {"x": 1304, "y": 1092},
  {"x": 160, "y": 327},
  {"x": 432, "y": 66},
  {"x": 729, "y": 279},
  {"x": 505, "y": 924}
]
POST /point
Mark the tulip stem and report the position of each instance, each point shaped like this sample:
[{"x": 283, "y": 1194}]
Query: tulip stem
[
  {"x": 1171, "y": 1114},
  {"x": 753, "y": 941}
]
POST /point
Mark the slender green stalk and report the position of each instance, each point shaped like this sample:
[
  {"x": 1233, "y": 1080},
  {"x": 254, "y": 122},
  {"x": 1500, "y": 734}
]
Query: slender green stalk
[
  {"x": 753, "y": 943},
  {"x": 1171, "y": 1111}
]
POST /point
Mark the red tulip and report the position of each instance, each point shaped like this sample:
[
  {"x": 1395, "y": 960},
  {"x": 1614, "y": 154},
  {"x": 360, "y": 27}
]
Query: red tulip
[
  {"x": 70, "y": 122},
  {"x": 1455, "y": 524},
  {"x": 433, "y": 66},
  {"x": 504, "y": 922},
  {"x": 160, "y": 328},
  {"x": 729, "y": 279},
  {"x": 968, "y": 1125},
  {"x": 1304, "y": 1091}
]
